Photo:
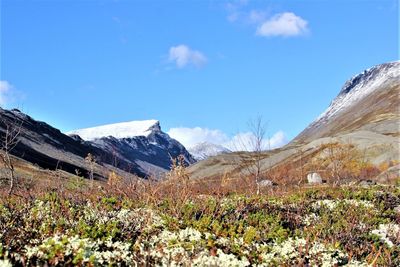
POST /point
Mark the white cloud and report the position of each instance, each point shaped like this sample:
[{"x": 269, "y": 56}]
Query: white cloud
[
  {"x": 192, "y": 136},
  {"x": 183, "y": 56},
  {"x": 283, "y": 24},
  {"x": 5, "y": 89},
  {"x": 279, "y": 139},
  {"x": 240, "y": 142},
  {"x": 245, "y": 141},
  {"x": 189, "y": 137}
]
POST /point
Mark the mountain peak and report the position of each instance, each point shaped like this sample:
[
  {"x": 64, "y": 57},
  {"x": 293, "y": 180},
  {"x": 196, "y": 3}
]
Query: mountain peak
[
  {"x": 376, "y": 75},
  {"x": 363, "y": 102},
  {"x": 360, "y": 86},
  {"x": 119, "y": 130},
  {"x": 204, "y": 150}
]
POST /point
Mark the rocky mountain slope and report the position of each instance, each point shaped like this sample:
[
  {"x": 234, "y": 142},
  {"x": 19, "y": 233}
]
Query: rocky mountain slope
[
  {"x": 41, "y": 144},
  {"x": 205, "y": 150},
  {"x": 44, "y": 145},
  {"x": 365, "y": 113},
  {"x": 142, "y": 142},
  {"x": 368, "y": 101}
]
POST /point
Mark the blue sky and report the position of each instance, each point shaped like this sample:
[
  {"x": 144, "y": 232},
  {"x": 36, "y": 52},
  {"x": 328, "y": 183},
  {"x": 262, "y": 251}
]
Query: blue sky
[{"x": 207, "y": 64}]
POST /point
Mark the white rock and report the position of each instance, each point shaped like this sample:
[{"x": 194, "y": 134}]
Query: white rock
[
  {"x": 314, "y": 178},
  {"x": 265, "y": 183}
]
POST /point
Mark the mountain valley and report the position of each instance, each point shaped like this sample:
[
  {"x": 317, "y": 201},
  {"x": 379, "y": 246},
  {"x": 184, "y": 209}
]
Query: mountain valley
[{"x": 364, "y": 114}]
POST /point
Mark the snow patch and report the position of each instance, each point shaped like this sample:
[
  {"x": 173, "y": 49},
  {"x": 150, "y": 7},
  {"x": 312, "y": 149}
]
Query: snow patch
[
  {"x": 118, "y": 130},
  {"x": 204, "y": 150},
  {"x": 360, "y": 86}
]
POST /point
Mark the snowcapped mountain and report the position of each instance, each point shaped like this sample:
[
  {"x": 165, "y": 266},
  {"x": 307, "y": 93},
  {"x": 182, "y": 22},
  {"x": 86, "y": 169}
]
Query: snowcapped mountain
[
  {"x": 368, "y": 101},
  {"x": 138, "y": 147},
  {"x": 205, "y": 150},
  {"x": 360, "y": 86},
  {"x": 142, "y": 142},
  {"x": 118, "y": 130},
  {"x": 366, "y": 113}
]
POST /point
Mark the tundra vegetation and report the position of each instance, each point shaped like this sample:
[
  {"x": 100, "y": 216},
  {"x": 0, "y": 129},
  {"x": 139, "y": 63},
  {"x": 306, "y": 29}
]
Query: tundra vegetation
[{"x": 67, "y": 221}]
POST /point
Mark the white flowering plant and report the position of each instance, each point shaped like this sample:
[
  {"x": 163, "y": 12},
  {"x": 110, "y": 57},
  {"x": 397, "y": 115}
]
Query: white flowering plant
[{"x": 314, "y": 227}]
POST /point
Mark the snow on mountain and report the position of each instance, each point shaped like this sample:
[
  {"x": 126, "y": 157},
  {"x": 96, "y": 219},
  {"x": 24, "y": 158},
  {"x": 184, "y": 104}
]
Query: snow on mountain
[
  {"x": 140, "y": 142},
  {"x": 359, "y": 86},
  {"x": 118, "y": 130},
  {"x": 204, "y": 150},
  {"x": 367, "y": 101}
]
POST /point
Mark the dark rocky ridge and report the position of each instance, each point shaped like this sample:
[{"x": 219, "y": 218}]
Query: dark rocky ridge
[
  {"x": 152, "y": 153},
  {"x": 49, "y": 148}
]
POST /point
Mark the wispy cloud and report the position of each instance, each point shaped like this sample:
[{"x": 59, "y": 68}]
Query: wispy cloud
[
  {"x": 5, "y": 91},
  {"x": 9, "y": 95},
  {"x": 283, "y": 24},
  {"x": 121, "y": 26},
  {"x": 116, "y": 19},
  {"x": 189, "y": 137},
  {"x": 183, "y": 56},
  {"x": 235, "y": 9},
  {"x": 256, "y": 16}
]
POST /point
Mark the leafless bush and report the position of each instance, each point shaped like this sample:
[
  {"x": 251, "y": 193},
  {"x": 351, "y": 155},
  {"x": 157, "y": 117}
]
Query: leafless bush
[
  {"x": 251, "y": 162},
  {"x": 90, "y": 161},
  {"x": 9, "y": 140}
]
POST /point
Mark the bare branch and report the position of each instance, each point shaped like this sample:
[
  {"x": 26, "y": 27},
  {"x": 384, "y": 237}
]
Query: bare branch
[
  {"x": 9, "y": 140},
  {"x": 252, "y": 162}
]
